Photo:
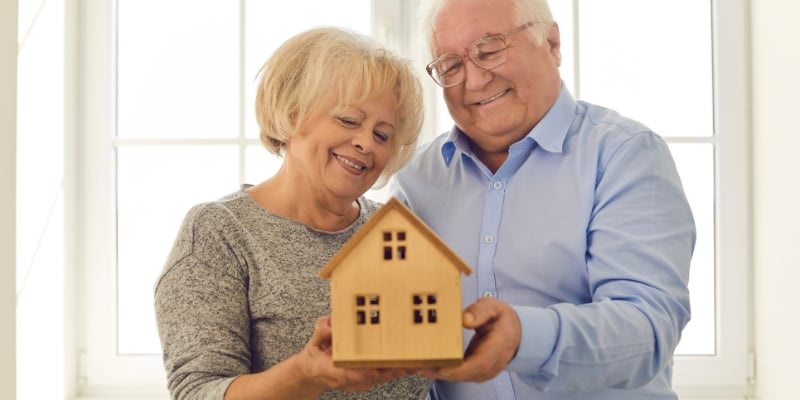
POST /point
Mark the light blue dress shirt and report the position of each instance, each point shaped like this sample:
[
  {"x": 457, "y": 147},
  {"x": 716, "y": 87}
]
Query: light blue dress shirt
[{"x": 586, "y": 231}]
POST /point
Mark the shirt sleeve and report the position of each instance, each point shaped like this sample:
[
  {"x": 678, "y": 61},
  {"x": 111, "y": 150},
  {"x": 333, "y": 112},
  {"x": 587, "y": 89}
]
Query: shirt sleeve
[
  {"x": 201, "y": 312},
  {"x": 640, "y": 239}
]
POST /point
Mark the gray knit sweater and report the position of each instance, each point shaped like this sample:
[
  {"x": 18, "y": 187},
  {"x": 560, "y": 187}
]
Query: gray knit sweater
[{"x": 240, "y": 292}]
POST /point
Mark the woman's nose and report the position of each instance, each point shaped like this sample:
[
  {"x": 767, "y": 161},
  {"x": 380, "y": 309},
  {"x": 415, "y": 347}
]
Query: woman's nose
[{"x": 362, "y": 140}]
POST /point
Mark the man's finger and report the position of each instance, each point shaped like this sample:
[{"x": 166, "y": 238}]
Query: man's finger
[{"x": 480, "y": 312}]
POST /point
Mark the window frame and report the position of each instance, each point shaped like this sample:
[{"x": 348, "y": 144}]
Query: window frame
[
  {"x": 730, "y": 371},
  {"x": 101, "y": 372}
]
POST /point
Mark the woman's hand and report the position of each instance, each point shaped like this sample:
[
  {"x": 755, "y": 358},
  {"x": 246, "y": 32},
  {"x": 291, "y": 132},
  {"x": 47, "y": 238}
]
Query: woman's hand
[
  {"x": 316, "y": 364},
  {"x": 307, "y": 374}
]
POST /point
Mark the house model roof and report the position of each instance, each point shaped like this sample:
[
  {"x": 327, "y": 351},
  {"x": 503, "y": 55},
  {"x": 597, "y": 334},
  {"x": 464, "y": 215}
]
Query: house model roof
[{"x": 394, "y": 205}]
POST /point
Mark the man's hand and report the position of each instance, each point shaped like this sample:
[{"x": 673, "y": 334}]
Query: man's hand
[{"x": 497, "y": 336}]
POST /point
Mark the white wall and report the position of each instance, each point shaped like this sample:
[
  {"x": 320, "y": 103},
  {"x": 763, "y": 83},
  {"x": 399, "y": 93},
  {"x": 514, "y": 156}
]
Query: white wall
[
  {"x": 8, "y": 112},
  {"x": 776, "y": 196}
]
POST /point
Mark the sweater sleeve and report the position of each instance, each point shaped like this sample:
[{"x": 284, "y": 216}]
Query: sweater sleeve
[{"x": 201, "y": 309}]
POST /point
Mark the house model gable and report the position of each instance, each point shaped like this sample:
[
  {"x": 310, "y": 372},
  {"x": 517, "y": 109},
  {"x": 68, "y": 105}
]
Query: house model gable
[{"x": 396, "y": 295}]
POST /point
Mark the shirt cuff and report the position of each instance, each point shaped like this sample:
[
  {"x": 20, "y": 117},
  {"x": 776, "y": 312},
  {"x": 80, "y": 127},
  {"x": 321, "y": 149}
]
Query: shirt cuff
[{"x": 538, "y": 338}]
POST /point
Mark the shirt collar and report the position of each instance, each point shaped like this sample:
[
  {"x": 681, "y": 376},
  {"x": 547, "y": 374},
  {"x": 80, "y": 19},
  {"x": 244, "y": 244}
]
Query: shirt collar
[{"x": 549, "y": 133}]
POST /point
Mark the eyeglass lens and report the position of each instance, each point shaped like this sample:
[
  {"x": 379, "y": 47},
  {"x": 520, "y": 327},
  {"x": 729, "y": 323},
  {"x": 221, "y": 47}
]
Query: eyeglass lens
[{"x": 487, "y": 53}]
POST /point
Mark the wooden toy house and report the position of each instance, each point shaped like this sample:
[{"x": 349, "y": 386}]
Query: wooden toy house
[{"x": 396, "y": 295}]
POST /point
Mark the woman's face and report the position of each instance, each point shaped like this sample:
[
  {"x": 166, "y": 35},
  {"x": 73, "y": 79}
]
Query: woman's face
[{"x": 341, "y": 151}]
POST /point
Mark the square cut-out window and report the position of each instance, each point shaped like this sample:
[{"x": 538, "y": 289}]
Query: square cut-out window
[{"x": 431, "y": 316}]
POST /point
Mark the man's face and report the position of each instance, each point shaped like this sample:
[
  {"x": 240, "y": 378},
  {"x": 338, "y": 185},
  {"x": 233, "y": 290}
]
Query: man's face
[{"x": 498, "y": 107}]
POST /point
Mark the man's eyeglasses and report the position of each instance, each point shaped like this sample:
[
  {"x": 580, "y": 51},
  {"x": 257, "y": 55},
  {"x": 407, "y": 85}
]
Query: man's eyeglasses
[{"x": 487, "y": 52}]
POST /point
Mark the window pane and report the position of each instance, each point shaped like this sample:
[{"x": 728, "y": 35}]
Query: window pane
[
  {"x": 259, "y": 164},
  {"x": 157, "y": 186},
  {"x": 178, "y": 76},
  {"x": 563, "y": 15},
  {"x": 695, "y": 163},
  {"x": 269, "y": 24},
  {"x": 650, "y": 60}
]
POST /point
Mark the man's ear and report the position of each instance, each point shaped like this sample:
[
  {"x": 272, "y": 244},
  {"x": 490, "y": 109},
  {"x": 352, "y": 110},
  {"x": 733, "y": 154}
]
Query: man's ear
[{"x": 554, "y": 40}]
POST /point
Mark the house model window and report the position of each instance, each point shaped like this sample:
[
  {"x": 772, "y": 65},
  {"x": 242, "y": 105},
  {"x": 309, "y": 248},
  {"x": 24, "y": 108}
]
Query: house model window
[
  {"x": 368, "y": 306},
  {"x": 424, "y": 305},
  {"x": 394, "y": 241}
]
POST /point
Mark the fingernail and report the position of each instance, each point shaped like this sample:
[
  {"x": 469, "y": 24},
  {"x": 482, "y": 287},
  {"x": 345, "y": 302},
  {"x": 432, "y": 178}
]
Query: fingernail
[{"x": 468, "y": 317}]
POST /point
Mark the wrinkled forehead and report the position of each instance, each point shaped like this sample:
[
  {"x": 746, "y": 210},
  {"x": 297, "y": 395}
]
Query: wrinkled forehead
[{"x": 459, "y": 23}]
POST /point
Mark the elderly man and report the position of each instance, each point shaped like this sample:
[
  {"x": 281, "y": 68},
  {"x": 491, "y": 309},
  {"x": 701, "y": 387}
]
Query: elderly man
[{"x": 572, "y": 216}]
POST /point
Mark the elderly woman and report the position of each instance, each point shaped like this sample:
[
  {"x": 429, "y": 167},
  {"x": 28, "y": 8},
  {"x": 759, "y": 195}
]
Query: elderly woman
[{"x": 240, "y": 306}]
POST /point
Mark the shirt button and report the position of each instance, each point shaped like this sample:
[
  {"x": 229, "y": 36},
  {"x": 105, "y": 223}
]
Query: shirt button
[
  {"x": 489, "y": 239},
  {"x": 488, "y": 294},
  {"x": 498, "y": 185}
]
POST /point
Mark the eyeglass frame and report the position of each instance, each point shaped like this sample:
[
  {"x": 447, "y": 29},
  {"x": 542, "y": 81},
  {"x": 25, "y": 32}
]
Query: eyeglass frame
[{"x": 501, "y": 36}]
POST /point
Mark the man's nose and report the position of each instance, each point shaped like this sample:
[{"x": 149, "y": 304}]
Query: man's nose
[{"x": 475, "y": 77}]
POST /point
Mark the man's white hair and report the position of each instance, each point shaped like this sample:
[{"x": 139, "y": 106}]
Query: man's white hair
[{"x": 536, "y": 11}]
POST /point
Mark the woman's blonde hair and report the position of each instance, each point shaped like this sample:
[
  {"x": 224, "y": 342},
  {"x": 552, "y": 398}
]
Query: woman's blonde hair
[{"x": 328, "y": 64}]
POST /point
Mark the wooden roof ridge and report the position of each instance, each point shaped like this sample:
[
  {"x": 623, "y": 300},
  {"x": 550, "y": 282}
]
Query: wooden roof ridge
[{"x": 397, "y": 205}]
